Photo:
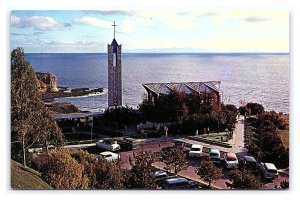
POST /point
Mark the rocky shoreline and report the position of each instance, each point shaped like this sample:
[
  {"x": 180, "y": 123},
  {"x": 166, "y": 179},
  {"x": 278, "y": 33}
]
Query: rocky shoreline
[
  {"x": 47, "y": 83},
  {"x": 64, "y": 92}
]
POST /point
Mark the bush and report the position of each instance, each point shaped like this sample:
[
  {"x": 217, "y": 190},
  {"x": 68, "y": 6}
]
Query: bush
[{"x": 61, "y": 171}]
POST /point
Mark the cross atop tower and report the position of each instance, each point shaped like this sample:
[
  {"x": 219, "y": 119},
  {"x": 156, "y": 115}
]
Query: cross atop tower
[{"x": 114, "y": 25}]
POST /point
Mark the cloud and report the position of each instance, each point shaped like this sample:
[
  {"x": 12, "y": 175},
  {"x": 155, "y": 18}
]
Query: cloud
[
  {"x": 208, "y": 14},
  {"x": 93, "y": 21},
  {"x": 39, "y": 23},
  {"x": 19, "y": 34},
  {"x": 38, "y": 33},
  {"x": 108, "y": 12},
  {"x": 172, "y": 19},
  {"x": 127, "y": 26},
  {"x": 146, "y": 21},
  {"x": 67, "y": 25},
  {"x": 256, "y": 19},
  {"x": 56, "y": 42}
]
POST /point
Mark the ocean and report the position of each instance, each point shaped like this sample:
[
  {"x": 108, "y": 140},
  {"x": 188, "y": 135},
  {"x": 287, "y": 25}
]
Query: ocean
[{"x": 250, "y": 77}]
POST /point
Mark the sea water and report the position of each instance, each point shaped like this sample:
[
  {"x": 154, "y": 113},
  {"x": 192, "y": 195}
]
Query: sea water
[{"x": 248, "y": 77}]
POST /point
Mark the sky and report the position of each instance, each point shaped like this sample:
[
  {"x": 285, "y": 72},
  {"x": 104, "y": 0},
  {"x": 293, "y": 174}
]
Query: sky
[{"x": 157, "y": 31}]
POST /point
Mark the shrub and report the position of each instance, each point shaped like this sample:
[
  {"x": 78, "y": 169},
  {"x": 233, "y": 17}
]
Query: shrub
[{"x": 61, "y": 171}]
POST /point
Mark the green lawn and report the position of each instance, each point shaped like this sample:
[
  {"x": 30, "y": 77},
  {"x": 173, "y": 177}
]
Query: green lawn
[{"x": 26, "y": 178}]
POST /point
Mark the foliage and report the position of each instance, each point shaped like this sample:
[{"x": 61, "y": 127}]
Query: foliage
[
  {"x": 264, "y": 141},
  {"x": 254, "y": 108},
  {"x": 61, "y": 171},
  {"x": 119, "y": 118},
  {"x": 243, "y": 180},
  {"x": 141, "y": 175},
  {"x": 109, "y": 175},
  {"x": 166, "y": 108},
  {"x": 209, "y": 172},
  {"x": 31, "y": 122},
  {"x": 284, "y": 184},
  {"x": 174, "y": 158},
  {"x": 189, "y": 112}
]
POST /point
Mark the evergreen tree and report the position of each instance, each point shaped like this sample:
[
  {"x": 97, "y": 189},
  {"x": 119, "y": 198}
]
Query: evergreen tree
[{"x": 243, "y": 180}]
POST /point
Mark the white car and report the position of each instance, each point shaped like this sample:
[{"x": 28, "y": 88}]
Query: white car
[
  {"x": 196, "y": 151},
  {"x": 231, "y": 161},
  {"x": 108, "y": 144},
  {"x": 269, "y": 170},
  {"x": 109, "y": 156}
]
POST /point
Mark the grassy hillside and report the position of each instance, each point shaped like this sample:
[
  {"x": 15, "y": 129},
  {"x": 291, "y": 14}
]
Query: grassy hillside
[{"x": 26, "y": 178}]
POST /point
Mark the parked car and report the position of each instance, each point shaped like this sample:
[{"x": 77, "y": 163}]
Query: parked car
[
  {"x": 178, "y": 144},
  {"x": 109, "y": 156},
  {"x": 129, "y": 143},
  {"x": 160, "y": 177},
  {"x": 269, "y": 170},
  {"x": 215, "y": 156},
  {"x": 231, "y": 161},
  {"x": 193, "y": 185},
  {"x": 108, "y": 144},
  {"x": 176, "y": 183},
  {"x": 196, "y": 150},
  {"x": 248, "y": 162}
]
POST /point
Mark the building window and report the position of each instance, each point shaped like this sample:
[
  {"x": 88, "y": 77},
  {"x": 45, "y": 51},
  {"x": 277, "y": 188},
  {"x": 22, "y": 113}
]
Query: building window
[{"x": 114, "y": 59}]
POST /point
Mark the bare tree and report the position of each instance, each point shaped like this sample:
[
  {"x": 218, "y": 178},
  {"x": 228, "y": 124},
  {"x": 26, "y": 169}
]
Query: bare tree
[
  {"x": 209, "y": 172},
  {"x": 174, "y": 158},
  {"x": 141, "y": 175}
]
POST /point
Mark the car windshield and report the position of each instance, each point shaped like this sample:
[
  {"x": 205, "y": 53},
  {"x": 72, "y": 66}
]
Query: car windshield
[
  {"x": 231, "y": 159},
  {"x": 106, "y": 156},
  {"x": 214, "y": 154},
  {"x": 272, "y": 171},
  {"x": 161, "y": 175},
  {"x": 195, "y": 149}
]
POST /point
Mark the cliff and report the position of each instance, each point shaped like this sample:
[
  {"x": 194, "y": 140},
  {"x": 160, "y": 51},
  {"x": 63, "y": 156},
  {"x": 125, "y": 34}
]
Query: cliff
[{"x": 47, "y": 82}]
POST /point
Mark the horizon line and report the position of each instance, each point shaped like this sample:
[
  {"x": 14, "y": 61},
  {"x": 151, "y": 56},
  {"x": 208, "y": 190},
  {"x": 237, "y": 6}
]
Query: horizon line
[{"x": 163, "y": 52}]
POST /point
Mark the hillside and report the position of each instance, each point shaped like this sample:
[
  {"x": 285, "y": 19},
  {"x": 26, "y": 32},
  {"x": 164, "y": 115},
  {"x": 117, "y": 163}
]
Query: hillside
[{"x": 26, "y": 178}]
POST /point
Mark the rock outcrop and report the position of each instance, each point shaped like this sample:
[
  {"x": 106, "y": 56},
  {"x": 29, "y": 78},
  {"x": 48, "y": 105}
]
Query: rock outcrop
[
  {"x": 47, "y": 82},
  {"x": 59, "y": 108}
]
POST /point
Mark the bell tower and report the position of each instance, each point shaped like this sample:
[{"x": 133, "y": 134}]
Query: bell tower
[{"x": 114, "y": 51}]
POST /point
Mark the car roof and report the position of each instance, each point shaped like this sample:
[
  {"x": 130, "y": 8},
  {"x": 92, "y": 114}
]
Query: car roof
[
  {"x": 270, "y": 166},
  {"x": 105, "y": 153},
  {"x": 249, "y": 159},
  {"x": 159, "y": 173},
  {"x": 215, "y": 151},
  {"x": 197, "y": 146},
  {"x": 175, "y": 180},
  {"x": 231, "y": 155}
]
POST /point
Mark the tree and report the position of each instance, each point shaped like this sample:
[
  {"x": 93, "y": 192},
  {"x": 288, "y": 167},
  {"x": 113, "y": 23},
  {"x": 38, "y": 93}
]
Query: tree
[
  {"x": 243, "y": 180},
  {"x": 141, "y": 176},
  {"x": 31, "y": 122},
  {"x": 109, "y": 175},
  {"x": 100, "y": 174},
  {"x": 255, "y": 108},
  {"x": 174, "y": 158},
  {"x": 209, "y": 172},
  {"x": 88, "y": 162},
  {"x": 61, "y": 171}
]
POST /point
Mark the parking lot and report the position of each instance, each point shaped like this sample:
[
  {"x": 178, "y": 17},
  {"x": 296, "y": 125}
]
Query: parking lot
[{"x": 192, "y": 162}]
